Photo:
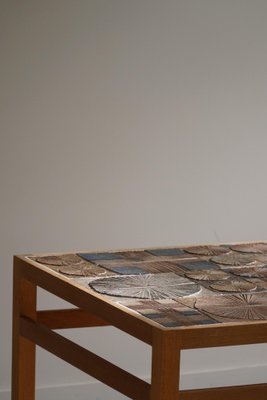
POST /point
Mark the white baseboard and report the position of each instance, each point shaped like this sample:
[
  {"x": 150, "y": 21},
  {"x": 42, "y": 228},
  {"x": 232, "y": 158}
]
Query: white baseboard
[{"x": 97, "y": 391}]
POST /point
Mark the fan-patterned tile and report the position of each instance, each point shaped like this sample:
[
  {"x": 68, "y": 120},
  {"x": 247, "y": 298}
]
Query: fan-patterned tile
[
  {"x": 59, "y": 260},
  {"x": 234, "y": 258},
  {"x": 233, "y": 285},
  {"x": 207, "y": 275},
  {"x": 149, "y": 286},
  {"x": 249, "y": 272},
  {"x": 207, "y": 250},
  {"x": 72, "y": 265},
  {"x": 235, "y": 307},
  {"x": 257, "y": 248}
]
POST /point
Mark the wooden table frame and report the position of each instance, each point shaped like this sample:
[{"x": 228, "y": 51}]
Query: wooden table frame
[{"x": 32, "y": 327}]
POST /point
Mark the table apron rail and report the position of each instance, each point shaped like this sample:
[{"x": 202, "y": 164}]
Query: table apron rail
[{"x": 222, "y": 335}]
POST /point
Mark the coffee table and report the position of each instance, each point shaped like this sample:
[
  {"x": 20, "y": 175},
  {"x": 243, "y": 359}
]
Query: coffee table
[{"x": 170, "y": 298}]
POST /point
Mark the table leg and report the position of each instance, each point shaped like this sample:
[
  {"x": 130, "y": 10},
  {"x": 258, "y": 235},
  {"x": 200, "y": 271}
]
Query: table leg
[
  {"x": 23, "y": 350},
  {"x": 165, "y": 366}
]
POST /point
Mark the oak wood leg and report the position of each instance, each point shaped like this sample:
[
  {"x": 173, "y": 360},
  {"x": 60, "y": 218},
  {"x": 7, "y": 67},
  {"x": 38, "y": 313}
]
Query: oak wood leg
[
  {"x": 23, "y": 350},
  {"x": 165, "y": 366}
]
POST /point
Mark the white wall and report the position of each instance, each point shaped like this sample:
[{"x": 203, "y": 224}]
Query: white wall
[{"x": 125, "y": 124}]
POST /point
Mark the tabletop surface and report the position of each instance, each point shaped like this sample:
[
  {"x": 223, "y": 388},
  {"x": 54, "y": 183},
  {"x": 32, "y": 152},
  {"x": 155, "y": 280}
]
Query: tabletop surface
[{"x": 175, "y": 287}]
